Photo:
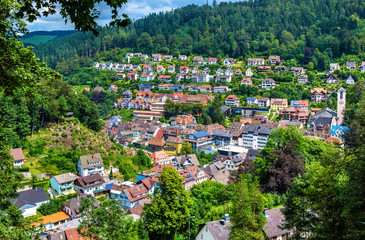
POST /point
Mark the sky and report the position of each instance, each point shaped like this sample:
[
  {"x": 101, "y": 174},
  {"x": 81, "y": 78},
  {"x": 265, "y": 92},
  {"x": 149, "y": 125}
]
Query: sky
[{"x": 134, "y": 8}]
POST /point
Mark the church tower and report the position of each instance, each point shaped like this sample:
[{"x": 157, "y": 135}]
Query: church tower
[{"x": 341, "y": 103}]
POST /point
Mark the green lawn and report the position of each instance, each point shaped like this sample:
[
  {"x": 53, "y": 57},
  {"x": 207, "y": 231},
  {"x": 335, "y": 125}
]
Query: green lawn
[
  {"x": 36, "y": 168},
  {"x": 79, "y": 88},
  {"x": 35, "y": 40}
]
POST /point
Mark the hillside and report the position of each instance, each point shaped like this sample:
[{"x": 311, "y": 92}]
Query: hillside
[
  {"x": 243, "y": 29},
  {"x": 55, "y": 144},
  {"x": 37, "y": 37}
]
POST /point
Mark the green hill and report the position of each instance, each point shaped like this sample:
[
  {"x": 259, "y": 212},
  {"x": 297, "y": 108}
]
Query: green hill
[{"x": 289, "y": 28}]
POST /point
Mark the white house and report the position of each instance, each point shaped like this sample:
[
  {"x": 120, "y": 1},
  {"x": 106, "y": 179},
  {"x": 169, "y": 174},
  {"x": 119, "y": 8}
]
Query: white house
[
  {"x": 30, "y": 200},
  {"x": 251, "y": 100},
  {"x": 255, "y": 137},
  {"x": 200, "y": 77},
  {"x": 350, "y": 80},
  {"x": 223, "y": 79},
  {"x": 18, "y": 156},
  {"x": 268, "y": 83},
  {"x": 249, "y": 72},
  {"x": 90, "y": 164},
  {"x": 90, "y": 184},
  {"x": 228, "y": 72}
]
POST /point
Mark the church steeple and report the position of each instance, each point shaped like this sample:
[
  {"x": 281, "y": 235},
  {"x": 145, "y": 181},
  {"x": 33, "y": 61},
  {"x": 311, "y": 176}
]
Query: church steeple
[{"x": 341, "y": 104}]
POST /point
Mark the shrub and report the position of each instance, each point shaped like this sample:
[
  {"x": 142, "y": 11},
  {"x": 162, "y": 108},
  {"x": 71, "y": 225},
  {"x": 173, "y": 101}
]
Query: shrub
[{"x": 64, "y": 135}]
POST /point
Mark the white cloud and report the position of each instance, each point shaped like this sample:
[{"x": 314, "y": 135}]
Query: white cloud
[{"x": 134, "y": 9}]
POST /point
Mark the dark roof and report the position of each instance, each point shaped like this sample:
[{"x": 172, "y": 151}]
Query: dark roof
[
  {"x": 56, "y": 236},
  {"x": 274, "y": 219},
  {"x": 324, "y": 121},
  {"x": 257, "y": 130},
  {"x": 222, "y": 133},
  {"x": 30, "y": 196},
  {"x": 89, "y": 181}
]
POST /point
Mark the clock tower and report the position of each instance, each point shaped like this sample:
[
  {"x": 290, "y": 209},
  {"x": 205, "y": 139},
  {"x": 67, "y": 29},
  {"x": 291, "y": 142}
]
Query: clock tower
[{"x": 341, "y": 104}]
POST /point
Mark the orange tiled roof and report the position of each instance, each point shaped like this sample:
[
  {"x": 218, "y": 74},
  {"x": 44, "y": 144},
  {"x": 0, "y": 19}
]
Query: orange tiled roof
[{"x": 53, "y": 218}]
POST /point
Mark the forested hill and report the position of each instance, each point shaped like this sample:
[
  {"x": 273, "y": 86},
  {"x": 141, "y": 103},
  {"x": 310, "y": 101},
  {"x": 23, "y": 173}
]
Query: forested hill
[{"x": 262, "y": 27}]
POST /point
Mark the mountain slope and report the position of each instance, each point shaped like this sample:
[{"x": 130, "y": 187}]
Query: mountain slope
[{"x": 236, "y": 29}]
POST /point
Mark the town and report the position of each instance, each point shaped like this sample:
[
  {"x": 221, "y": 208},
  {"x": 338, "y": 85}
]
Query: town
[{"x": 180, "y": 140}]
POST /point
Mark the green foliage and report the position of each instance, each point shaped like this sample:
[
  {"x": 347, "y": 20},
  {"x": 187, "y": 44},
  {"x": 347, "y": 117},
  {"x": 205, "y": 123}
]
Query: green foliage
[
  {"x": 53, "y": 206},
  {"x": 247, "y": 211},
  {"x": 108, "y": 222},
  {"x": 215, "y": 112},
  {"x": 168, "y": 213},
  {"x": 186, "y": 148}
]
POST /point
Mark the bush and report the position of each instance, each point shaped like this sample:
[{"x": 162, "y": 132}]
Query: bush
[
  {"x": 64, "y": 135},
  {"x": 24, "y": 169},
  {"x": 64, "y": 127},
  {"x": 36, "y": 147}
]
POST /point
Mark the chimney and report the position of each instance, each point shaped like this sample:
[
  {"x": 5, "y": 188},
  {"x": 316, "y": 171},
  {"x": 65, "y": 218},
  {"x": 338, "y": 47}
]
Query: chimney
[{"x": 226, "y": 217}]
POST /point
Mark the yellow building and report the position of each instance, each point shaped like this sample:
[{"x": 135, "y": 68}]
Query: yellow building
[
  {"x": 278, "y": 103},
  {"x": 173, "y": 146}
]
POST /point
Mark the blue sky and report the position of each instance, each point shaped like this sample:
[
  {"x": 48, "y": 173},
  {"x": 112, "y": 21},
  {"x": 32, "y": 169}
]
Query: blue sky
[{"x": 134, "y": 8}]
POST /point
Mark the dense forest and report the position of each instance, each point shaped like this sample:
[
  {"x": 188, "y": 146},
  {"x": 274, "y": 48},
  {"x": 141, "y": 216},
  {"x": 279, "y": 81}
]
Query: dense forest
[{"x": 290, "y": 28}]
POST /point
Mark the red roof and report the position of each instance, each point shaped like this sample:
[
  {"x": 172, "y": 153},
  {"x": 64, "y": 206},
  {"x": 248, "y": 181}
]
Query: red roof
[{"x": 159, "y": 133}]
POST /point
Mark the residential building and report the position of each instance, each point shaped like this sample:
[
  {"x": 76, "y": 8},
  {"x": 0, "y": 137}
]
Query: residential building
[
  {"x": 184, "y": 161},
  {"x": 362, "y": 67},
  {"x": 156, "y": 143},
  {"x": 350, "y": 80},
  {"x": 72, "y": 207},
  {"x": 303, "y": 79},
  {"x": 164, "y": 87},
  {"x": 228, "y": 61},
  {"x": 278, "y": 103},
  {"x": 171, "y": 69},
  {"x": 248, "y": 72},
  {"x": 150, "y": 132},
  {"x": 183, "y": 58},
  {"x": 228, "y": 72},
  {"x": 132, "y": 76},
  {"x": 147, "y": 76},
  {"x": 198, "y": 60},
  {"x": 238, "y": 72},
  {"x": 193, "y": 175},
  {"x": 184, "y": 70},
  {"x": 51, "y": 222},
  {"x": 268, "y": 83},
  {"x": 195, "y": 70},
  {"x": 90, "y": 164},
  {"x": 334, "y": 67},
  {"x": 225, "y": 78},
  {"x": 221, "y": 89},
  {"x": 341, "y": 105},
  {"x": 156, "y": 57},
  {"x": 219, "y": 72},
  {"x": 246, "y": 81},
  {"x": 206, "y": 70},
  {"x": 331, "y": 79},
  {"x": 280, "y": 69},
  {"x": 90, "y": 184},
  {"x": 160, "y": 69},
  {"x": 146, "y": 115},
  {"x": 300, "y": 103},
  {"x": 29, "y": 201},
  {"x": 255, "y": 137},
  {"x": 319, "y": 95},
  {"x": 113, "y": 89},
  {"x": 255, "y": 62},
  {"x": 168, "y": 58},
  {"x": 173, "y": 146},
  {"x": 205, "y": 89},
  {"x": 274, "y": 60},
  {"x": 199, "y": 140},
  {"x": 144, "y": 57},
  {"x": 222, "y": 137},
  {"x": 263, "y": 102},
  {"x": 351, "y": 66},
  {"x": 274, "y": 219},
  {"x": 251, "y": 101},
  {"x": 62, "y": 184},
  {"x": 212, "y": 61},
  {"x": 160, "y": 158},
  {"x": 264, "y": 69},
  {"x": 217, "y": 172},
  {"x": 297, "y": 70},
  {"x": 216, "y": 230},
  {"x": 182, "y": 120},
  {"x": 164, "y": 78},
  {"x": 232, "y": 100},
  {"x": 18, "y": 157},
  {"x": 200, "y": 77},
  {"x": 295, "y": 114},
  {"x": 145, "y": 87}
]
